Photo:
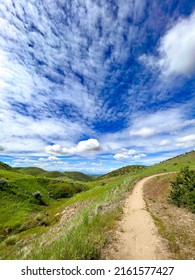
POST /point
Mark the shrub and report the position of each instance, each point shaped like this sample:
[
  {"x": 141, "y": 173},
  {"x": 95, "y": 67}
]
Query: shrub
[
  {"x": 39, "y": 198},
  {"x": 183, "y": 189},
  {"x": 66, "y": 189}
]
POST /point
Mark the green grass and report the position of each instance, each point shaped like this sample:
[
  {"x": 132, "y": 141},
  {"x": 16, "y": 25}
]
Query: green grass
[
  {"x": 78, "y": 176},
  {"x": 4, "y": 166},
  {"x": 36, "y": 171},
  {"x": 132, "y": 169},
  {"x": 86, "y": 233}
]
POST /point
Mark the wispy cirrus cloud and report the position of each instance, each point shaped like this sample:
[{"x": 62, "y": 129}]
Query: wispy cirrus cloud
[{"x": 73, "y": 70}]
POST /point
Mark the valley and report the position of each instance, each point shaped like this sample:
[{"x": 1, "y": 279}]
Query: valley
[{"x": 69, "y": 215}]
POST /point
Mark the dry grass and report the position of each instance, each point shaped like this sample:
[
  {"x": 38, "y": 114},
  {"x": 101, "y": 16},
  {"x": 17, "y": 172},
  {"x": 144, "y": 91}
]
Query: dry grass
[{"x": 177, "y": 225}]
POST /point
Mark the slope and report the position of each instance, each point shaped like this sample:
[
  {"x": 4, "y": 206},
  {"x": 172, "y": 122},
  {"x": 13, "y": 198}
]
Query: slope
[{"x": 130, "y": 169}]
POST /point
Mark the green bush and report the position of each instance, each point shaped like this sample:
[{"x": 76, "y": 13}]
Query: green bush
[
  {"x": 66, "y": 189},
  {"x": 39, "y": 198},
  {"x": 183, "y": 189}
]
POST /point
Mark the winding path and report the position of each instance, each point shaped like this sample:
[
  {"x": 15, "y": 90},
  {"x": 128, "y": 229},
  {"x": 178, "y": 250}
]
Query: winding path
[{"x": 137, "y": 237}]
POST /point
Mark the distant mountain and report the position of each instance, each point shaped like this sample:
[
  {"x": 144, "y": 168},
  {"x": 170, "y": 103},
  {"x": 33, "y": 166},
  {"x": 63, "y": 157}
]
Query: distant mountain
[{"x": 129, "y": 169}]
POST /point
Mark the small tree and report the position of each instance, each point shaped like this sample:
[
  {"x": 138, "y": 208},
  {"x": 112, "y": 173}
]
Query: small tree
[{"x": 183, "y": 189}]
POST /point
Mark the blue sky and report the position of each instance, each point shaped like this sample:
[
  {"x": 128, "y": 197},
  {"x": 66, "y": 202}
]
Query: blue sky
[{"x": 95, "y": 85}]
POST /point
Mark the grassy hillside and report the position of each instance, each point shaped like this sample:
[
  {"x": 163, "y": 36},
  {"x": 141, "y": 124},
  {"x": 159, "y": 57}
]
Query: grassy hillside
[
  {"x": 36, "y": 171},
  {"x": 72, "y": 219},
  {"x": 78, "y": 176},
  {"x": 131, "y": 169},
  {"x": 175, "y": 163},
  {"x": 24, "y": 196},
  {"x": 4, "y": 166}
]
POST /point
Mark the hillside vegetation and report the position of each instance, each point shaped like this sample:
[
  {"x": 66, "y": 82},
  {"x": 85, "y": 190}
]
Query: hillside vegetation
[
  {"x": 71, "y": 218},
  {"x": 4, "y": 166},
  {"x": 131, "y": 169},
  {"x": 36, "y": 171},
  {"x": 78, "y": 176},
  {"x": 183, "y": 189}
]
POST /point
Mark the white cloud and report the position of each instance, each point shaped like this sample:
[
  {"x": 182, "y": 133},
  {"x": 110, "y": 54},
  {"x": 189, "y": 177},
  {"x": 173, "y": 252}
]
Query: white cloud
[
  {"x": 125, "y": 154},
  {"x": 53, "y": 158},
  {"x": 160, "y": 122},
  {"x": 42, "y": 159},
  {"x": 87, "y": 146},
  {"x": 121, "y": 156},
  {"x": 186, "y": 141},
  {"x": 139, "y": 156},
  {"x": 164, "y": 142},
  {"x": 143, "y": 132},
  {"x": 97, "y": 164},
  {"x": 176, "y": 49}
]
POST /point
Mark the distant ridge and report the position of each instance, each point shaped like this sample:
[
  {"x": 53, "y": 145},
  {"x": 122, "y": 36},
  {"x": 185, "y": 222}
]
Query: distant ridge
[
  {"x": 78, "y": 176},
  {"x": 129, "y": 169},
  {"x": 36, "y": 171}
]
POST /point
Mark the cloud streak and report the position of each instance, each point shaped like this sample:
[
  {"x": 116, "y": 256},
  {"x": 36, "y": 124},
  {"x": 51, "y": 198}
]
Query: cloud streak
[{"x": 73, "y": 70}]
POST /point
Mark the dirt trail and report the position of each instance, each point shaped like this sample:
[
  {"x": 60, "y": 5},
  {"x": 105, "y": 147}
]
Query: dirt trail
[{"x": 137, "y": 237}]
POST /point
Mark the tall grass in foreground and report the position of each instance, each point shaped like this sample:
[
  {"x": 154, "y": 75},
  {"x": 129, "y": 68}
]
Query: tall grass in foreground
[{"x": 87, "y": 233}]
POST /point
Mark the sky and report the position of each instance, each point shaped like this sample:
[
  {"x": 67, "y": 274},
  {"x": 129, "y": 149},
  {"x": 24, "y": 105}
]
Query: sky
[{"x": 95, "y": 85}]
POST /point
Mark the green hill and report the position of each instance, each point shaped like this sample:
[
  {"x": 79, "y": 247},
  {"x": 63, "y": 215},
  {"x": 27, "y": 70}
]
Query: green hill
[
  {"x": 31, "y": 203},
  {"x": 129, "y": 169},
  {"x": 78, "y": 176},
  {"x": 35, "y": 171},
  {"x": 4, "y": 166},
  {"x": 23, "y": 196},
  {"x": 175, "y": 163}
]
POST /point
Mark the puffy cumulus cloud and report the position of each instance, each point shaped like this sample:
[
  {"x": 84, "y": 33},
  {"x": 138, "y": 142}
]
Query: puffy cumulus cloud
[
  {"x": 87, "y": 146},
  {"x": 186, "y": 141},
  {"x": 176, "y": 49}
]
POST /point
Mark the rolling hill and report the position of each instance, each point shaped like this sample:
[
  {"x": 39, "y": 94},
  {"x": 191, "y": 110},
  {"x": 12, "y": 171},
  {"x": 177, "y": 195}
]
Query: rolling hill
[
  {"x": 78, "y": 176},
  {"x": 33, "y": 200},
  {"x": 130, "y": 169},
  {"x": 36, "y": 171},
  {"x": 4, "y": 166}
]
